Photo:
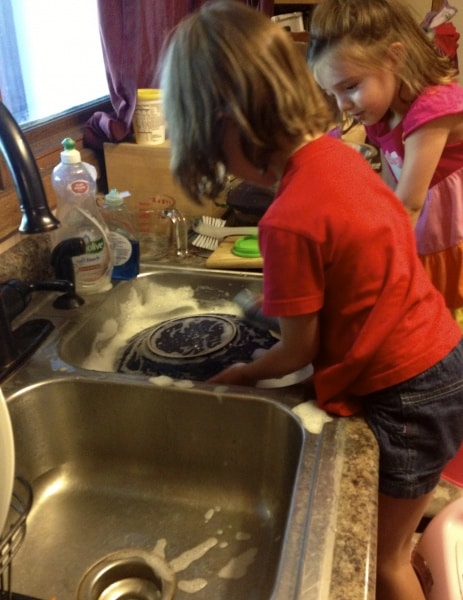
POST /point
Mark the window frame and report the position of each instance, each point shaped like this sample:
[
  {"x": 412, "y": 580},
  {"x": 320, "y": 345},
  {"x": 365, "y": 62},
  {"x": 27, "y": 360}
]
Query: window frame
[{"x": 45, "y": 138}]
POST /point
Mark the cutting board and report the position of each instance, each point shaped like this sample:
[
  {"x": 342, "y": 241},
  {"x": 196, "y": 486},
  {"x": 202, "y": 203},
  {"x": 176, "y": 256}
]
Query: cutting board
[{"x": 223, "y": 257}]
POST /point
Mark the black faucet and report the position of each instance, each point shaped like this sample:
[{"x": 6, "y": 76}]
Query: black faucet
[{"x": 16, "y": 346}]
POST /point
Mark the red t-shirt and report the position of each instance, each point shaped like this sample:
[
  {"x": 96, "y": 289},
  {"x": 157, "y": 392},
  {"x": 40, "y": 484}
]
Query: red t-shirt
[{"x": 337, "y": 241}]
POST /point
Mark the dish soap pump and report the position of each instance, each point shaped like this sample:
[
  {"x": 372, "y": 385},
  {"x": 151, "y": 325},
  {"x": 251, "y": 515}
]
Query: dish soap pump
[
  {"x": 74, "y": 183},
  {"x": 122, "y": 235}
]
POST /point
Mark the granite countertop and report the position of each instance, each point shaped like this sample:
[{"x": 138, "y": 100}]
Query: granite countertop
[{"x": 352, "y": 568}]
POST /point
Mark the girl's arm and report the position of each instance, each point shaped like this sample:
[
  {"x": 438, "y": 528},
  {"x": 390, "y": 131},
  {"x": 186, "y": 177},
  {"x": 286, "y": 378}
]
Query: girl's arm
[
  {"x": 422, "y": 152},
  {"x": 296, "y": 349}
]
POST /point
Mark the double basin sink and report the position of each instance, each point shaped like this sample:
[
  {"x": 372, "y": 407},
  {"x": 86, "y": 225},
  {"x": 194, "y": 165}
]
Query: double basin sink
[{"x": 176, "y": 491}]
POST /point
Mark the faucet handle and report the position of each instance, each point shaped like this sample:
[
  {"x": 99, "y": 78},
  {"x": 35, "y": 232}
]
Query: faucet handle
[
  {"x": 61, "y": 257},
  {"x": 61, "y": 261}
]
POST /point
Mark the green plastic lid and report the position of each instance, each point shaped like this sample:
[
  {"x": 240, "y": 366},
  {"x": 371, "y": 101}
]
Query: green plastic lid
[
  {"x": 247, "y": 247},
  {"x": 70, "y": 155}
]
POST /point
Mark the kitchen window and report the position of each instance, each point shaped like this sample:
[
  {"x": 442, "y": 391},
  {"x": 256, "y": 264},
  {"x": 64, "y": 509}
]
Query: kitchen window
[
  {"x": 52, "y": 79},
  {"x": 50, "y": 57}
]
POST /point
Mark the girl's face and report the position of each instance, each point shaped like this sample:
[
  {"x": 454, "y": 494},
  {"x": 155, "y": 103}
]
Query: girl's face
[{"x": 365, "y": 94}]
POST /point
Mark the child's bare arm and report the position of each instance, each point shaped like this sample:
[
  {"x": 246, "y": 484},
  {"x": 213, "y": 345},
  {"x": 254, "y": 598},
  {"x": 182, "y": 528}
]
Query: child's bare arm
[
  {"x": 422, "y": 151},
  {"x": 296, "y": 349}
]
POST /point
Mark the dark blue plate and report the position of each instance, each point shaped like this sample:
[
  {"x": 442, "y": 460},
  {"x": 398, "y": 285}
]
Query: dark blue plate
[{"x": 195, "y": 348}]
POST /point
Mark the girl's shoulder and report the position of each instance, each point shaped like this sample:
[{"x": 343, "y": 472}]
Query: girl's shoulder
[{"x": 434, "y": 102}]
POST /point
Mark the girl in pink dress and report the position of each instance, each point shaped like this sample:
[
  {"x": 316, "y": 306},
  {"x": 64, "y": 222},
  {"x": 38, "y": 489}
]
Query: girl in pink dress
[{"x": 372, "y": 57}]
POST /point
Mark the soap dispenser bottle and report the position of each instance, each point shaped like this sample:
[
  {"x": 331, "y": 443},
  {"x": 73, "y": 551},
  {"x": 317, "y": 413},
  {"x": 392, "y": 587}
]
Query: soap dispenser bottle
[
  {"x": 122, "y": 235},
  {"x": 74, "y": 183}
]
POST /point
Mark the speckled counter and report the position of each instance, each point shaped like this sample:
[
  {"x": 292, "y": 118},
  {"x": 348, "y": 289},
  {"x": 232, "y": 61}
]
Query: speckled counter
[
  {"x": 28, "y": 260},
  {"x": 353, "y": 572},
  {"x": 350, "y": 570}
]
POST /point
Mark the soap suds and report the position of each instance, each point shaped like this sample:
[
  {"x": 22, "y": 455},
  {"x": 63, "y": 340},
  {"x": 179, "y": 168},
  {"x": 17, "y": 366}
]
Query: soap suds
[
  {"x": 183, "y": 561},
  {"x": 160, "y": 548},
  {"x": 234, "y": 567},
  {"x": 161, "y": 380},
  {"x": 142, "y": 310},
  {"x": 184, "y": 383},
  {"x": 237, "y": 567},
  {"x": 312, "y": 417},
  {"x": 192, "y": 586},
  {"x": 210, "y": 513}
]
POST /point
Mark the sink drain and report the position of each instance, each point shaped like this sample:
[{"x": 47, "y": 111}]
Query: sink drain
[{"x": 131, "y": 574}]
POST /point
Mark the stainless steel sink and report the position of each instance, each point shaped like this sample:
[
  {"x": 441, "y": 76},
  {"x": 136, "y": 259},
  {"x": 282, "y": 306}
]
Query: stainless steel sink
[
  {"x": 177, "y": 491},
  {"x": 217, "y": 489},
  {"x": 145, "y": 301}
]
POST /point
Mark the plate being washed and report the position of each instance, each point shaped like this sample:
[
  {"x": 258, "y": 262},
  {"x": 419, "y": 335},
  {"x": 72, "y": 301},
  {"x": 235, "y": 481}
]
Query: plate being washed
[
  {"x": 196, "y": 347},
  {"x": 191, "y": 337},
  {"x": 7, "y": 463}
]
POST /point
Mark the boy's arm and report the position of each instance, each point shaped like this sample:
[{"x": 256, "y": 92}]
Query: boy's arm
[{"x": 296, "y": 349}]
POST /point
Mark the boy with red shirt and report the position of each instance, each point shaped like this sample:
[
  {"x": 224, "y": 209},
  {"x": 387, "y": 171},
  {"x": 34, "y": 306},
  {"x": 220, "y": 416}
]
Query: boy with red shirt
[{"x": 341, "y": 270}]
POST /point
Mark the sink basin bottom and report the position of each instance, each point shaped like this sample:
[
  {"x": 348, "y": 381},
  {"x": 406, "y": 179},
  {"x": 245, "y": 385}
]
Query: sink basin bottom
[{"x": 202, "y": 481}]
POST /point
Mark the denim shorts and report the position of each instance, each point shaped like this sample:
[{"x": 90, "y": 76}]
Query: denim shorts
[{"x": 419, "y": 427}]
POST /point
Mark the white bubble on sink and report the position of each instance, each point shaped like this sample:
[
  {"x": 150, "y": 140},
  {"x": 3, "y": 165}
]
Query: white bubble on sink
[
  {"x": 161, "y": 380},
  {"x": 184, "y": 383},
  {"x": 182, "y": 562},
  {"x": 312, "y": 417},
  {"x": 210, "y": 513},
  {"x": 192, "y": 586},
  {"x": 237, "y": 567},
  {"x": 160, "y": 548}
]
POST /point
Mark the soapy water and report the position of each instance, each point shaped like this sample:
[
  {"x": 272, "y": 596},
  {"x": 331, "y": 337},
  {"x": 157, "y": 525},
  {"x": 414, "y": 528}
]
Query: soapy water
[
  {"x": 312, "y": 417},
  {"x": 234, "y": 567},
  {"x": 156, "y": 304}
]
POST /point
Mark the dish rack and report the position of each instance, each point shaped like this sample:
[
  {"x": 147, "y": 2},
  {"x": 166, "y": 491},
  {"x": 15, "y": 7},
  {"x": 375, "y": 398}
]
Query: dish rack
[{"x": 13, "y": 533}]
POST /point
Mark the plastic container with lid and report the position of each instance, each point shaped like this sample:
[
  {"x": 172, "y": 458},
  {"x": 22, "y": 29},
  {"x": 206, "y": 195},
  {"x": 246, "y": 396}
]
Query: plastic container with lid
[
  {"x": 148, "y": 120},
  {"x": 122, "y": 235},
  {"x": 74, "y": 184}
]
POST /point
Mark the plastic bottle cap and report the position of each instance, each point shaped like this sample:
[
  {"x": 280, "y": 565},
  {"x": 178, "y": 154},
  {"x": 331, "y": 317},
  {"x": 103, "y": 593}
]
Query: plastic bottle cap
[
  {"x": 148, "y": 94},
  {"x": 247, "y": 247},
  {"x": 113, "y": 198},
  {"x": 69, "y": 155}
]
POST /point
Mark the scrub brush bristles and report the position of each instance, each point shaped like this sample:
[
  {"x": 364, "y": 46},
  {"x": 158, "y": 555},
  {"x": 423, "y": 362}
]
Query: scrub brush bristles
[
  {"x": 206, "y": 241},
  {"x": 212, "y": 231}
]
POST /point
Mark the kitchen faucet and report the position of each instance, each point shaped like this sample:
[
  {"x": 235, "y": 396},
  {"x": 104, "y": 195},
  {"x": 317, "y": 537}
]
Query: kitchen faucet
[{"x": 17, "y": 345}]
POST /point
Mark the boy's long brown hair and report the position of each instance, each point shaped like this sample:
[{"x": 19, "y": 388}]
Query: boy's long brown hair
[{"x": 228, "y": 60}]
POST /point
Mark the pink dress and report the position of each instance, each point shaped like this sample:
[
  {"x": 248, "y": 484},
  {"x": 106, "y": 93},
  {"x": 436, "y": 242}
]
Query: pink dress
[{"x": 439, "y": 230}]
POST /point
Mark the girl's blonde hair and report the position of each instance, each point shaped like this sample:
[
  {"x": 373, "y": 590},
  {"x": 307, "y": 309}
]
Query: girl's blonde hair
[
  {"x": 230, "y": 61},
  {"x": 367, "y": 30}
]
